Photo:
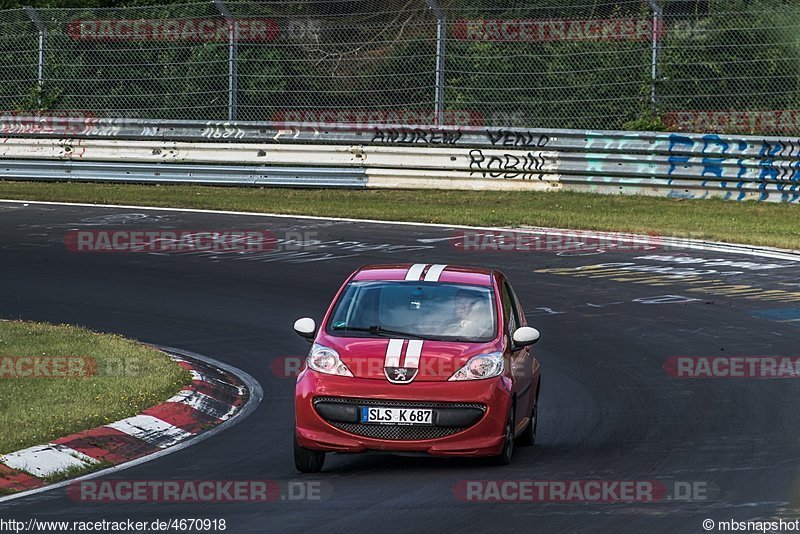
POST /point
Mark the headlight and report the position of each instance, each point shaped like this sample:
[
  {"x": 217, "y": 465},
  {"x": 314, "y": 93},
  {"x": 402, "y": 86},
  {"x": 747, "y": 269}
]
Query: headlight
[
  {"x": 480, "y": 367},
  {"x": 326, "y": 360}
]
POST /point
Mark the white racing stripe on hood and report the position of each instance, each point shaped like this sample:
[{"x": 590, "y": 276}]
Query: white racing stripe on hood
[
  {"x": 413, "y": 353},
  {"x": 434, "y": 272},
  {"x": 393, "y": 351},
  {"x": 415, "y": 271}
]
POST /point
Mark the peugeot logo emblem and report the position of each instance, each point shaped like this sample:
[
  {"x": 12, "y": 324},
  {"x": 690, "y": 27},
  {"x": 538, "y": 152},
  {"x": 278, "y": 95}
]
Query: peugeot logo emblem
[{"x": 400, "y": 375}]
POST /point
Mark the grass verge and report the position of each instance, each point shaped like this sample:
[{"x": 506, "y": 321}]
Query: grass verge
[
  {"x": 766, "y": 224},
  {"x": 114, "y": 379}
]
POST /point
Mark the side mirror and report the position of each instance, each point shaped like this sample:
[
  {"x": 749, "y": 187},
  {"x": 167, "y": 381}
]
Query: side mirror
[
  {"x": 525, "y": 335},
  {"x": 305, "y": 327}
]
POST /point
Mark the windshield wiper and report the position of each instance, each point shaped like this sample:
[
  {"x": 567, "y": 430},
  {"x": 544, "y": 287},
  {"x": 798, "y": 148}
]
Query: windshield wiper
[{"x": 378, "y": 330}]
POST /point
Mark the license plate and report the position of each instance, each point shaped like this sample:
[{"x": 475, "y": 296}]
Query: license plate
[{"x": 396, "y": 416}]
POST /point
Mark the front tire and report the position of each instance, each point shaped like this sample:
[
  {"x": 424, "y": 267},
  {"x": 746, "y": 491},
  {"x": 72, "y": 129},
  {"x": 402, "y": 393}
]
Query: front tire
[
  {"x": 504, "y": 458},
  {"x": 307, "y": 460},
  {"x": 528, "y": 436}
]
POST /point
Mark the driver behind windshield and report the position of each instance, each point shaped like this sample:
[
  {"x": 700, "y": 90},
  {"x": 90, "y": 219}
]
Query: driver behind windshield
[{"x": 471, "y": 317}]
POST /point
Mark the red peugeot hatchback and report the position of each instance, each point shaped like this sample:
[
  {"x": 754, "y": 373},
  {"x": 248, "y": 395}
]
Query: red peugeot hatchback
[{"x": 418, "y": 358}]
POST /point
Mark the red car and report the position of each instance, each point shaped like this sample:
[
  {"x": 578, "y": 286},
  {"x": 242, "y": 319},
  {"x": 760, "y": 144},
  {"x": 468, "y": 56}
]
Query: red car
[{"x": 418, "y": 358}]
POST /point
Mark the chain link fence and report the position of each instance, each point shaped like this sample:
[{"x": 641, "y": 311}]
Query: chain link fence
[{"x": 698, "y": 65}]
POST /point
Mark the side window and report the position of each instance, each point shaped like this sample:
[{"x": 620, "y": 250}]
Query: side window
[
  {"x": 516, "y": 305},
  {"x": 510, "y": 310}
]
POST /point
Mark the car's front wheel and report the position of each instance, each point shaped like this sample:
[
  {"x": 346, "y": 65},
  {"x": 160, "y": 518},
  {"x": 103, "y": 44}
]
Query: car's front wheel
[
  {"x": 504, "y": 458},
  {"x": 307, "y": 460},
  {"x": 528, "y": 436}
]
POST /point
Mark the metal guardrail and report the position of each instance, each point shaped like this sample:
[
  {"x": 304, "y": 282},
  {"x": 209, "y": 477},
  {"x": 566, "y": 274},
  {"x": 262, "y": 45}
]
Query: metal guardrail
[
  {"x": 89, "y": 127},
  {"x": 652, "y": 163},
  {"x": 17, "y": 169}
]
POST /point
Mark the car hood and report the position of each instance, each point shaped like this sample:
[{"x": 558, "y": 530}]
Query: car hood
[{"x": 438, "y": 360}]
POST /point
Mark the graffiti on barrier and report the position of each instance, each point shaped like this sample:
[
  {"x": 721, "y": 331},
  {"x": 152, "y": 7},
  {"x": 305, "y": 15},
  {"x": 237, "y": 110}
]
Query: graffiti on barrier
[
  {"x": 517, "y": 138},
  {"x": 606, "y": 153},
  {"x": 692, "y": 166},
  {"x": 222, "y": 130},
  {"x": 529, "y": 166},
  {"x": 425, "y": 136},
  {"x": 735, "y": 163}
]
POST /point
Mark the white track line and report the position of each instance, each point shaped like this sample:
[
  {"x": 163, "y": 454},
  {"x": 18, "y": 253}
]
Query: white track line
[{"x": 713, "y": 246}]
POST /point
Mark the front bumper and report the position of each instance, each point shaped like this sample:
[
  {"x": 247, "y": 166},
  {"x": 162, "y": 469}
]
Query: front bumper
[{"x": 469, "y": 417}]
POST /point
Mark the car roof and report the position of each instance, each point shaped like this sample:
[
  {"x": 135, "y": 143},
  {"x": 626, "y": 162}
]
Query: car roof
[{"x": 454, "y": 274}]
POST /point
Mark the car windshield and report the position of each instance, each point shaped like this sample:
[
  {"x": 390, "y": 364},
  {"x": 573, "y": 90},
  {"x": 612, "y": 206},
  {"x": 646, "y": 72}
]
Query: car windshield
[{"x": 422, "y": 310}]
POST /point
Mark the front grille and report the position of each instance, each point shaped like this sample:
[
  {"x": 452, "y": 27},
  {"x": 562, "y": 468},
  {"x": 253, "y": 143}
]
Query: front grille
[
  {"x": 401, "y": 403},
  {"x": 398, "y": 433}
]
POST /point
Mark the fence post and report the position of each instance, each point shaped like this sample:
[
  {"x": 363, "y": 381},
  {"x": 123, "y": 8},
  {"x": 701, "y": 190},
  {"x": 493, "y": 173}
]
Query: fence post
[
  {"x": 232, "y": 53},
  {"x": 441, "y": 33},
  {"x": 42, "y": 29},
  {"x": 658, "y": 27}
]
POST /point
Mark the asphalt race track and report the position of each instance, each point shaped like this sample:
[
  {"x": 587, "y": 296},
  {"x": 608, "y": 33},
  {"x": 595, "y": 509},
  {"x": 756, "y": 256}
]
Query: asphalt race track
[{"x": 609, "y": 410}]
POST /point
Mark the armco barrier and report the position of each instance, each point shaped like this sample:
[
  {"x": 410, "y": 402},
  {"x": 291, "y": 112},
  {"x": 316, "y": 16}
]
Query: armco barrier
[
  {"x": 384, "y": 166},
  {"x": 662, "y": 164},
  {"x": 90, "y": 171}
]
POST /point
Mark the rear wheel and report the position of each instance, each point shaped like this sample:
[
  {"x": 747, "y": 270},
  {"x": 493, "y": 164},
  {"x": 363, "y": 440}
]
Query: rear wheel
[
  {"x": 307, "y": 460},
  {"x": 504, "y": 458}
]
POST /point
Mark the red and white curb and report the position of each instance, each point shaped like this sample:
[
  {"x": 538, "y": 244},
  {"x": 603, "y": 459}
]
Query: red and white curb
[{"x": 214, "y": 397}]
